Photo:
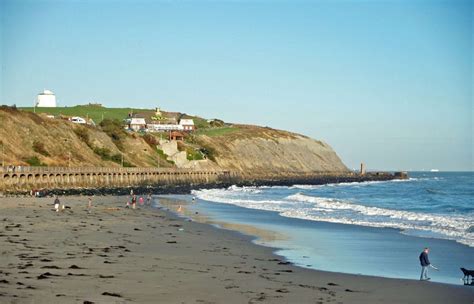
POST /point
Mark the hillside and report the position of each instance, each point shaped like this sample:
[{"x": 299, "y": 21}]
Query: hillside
[{"x": 35, "y": 139}]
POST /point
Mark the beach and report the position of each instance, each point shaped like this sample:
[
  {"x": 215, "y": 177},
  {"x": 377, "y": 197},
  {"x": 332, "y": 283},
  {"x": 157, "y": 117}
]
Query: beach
[{"x": 150, "y": 255}]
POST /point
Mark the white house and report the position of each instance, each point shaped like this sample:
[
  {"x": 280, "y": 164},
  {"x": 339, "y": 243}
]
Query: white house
[
  {"x": 78, "y": 120},
  {"x": 188, "y": 124},
  {"x": 137, "y": 124},
  {"x": 46, "y": 99}
]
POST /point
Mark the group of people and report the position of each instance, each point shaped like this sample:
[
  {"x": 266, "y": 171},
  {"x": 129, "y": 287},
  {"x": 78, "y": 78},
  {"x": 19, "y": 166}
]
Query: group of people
[{"x": 132, "y": 202}]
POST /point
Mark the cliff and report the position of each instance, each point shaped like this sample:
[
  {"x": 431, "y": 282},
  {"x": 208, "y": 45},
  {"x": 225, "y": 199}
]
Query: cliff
[
  {"x": 258, "y": 151},
  {"x": 34, "y": 139}
]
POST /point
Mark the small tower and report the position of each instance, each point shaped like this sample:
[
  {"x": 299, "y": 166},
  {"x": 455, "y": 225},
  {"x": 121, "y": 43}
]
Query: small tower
[
  {"x": 46, "y": 99},
  {"x": 158, "y": 112},
  {"x": 362, "y": 168}
]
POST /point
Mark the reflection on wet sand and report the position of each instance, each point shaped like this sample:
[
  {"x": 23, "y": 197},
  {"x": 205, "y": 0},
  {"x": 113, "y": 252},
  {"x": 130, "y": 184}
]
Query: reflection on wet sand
[{"x": 181, "y": 207}]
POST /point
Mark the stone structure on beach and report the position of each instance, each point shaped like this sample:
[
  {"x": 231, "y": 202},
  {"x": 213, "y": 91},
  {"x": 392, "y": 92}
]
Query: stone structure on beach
[{"x": 27, "y": 178}]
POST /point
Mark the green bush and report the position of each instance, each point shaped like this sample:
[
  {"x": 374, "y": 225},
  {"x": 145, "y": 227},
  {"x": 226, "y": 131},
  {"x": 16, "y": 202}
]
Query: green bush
[
  {"x": 104, "y": 153},
  {"x": 35, "y": 162},
  {"x": 162, "y": 154},
  {"x": 38, "y": 147},
  {"x": 209, "y": 152},
  {"x": 114, "y": 129},
  {"x": 83, "y": 135},
  {"x": 192, "y": 154},
  {"x": 127, "y": 164}
]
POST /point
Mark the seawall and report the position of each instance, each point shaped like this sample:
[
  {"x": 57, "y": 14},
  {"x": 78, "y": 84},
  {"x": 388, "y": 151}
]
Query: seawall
[
  {"x": 22, "y": 179},
  {"x": 99, "y": 180}
]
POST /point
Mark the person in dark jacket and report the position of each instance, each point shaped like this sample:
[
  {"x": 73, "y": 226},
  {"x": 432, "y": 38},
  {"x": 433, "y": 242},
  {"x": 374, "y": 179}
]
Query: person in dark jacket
[{"x": 425, "y": 263}]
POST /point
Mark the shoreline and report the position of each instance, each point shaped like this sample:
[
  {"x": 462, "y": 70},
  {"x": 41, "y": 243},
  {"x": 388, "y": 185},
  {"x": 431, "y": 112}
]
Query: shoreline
[
  {"x": 150, "y": 255},
  {"x": 271, "y": 237}
]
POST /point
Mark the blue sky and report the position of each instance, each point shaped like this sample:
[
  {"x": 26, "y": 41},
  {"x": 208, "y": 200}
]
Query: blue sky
[{"x": 384, "y": 82}]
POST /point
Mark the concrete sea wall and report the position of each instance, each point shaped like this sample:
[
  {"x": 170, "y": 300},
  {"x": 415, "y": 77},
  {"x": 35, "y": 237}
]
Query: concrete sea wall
[
  {"x": 100, "y": 180},
  {"x": 28, "y": 178}
]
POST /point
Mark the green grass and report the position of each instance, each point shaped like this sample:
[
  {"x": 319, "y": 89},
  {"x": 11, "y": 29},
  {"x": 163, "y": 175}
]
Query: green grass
[
  {"x": 216, "y": 131},
  {"x": 95, "y": 112},
  {"x": 193, "y": 154},
  {"x": 34, "y": 161}
]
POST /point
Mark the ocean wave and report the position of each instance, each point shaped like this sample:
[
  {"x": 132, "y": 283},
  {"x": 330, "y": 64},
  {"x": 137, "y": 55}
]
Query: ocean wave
[
  {"x": 346, "y": 212},
  {"x": 365, "y": 183},
  {"x": 453, "y": 227}
]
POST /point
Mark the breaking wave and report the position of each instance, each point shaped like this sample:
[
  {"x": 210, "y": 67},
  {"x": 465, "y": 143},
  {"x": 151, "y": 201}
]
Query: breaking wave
[{"x": 342, "y": 211}]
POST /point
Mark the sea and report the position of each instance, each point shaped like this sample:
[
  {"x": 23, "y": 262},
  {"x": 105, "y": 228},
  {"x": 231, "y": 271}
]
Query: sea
[{"x": 376, "y": 228}]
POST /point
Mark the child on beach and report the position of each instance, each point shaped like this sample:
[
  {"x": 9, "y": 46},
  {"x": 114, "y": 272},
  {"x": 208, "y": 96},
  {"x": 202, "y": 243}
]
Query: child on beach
[
  {"x": 141, "y": 200},
  {"x": 134, "y": 201}
]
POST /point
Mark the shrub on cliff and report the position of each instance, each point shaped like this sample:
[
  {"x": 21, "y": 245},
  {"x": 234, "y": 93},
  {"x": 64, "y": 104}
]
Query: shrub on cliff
[
  {"x": 151, "y": 140},
  {"x": 209, "y": 152},
  {"x": 38, "y": 147},
  {"x": 34, "y": 162},
  {"x": 83, "y": 135},
  {"x": 194, "y": 154},
  {"x": 114, "y": 129},
  {"x": 104, "y": 153}
]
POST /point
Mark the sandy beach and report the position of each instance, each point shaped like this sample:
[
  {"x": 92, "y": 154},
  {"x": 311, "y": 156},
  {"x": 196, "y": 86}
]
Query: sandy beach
[{"x": 148, "y": 255}]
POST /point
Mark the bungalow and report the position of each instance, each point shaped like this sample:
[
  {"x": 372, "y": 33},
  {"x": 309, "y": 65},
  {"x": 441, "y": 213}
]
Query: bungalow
[
  {"x": 137, "y": 124},
  {"x": 188, "y": 125}
]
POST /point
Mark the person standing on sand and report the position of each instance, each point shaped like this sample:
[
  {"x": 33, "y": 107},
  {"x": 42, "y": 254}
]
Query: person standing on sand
[
  {"x": 134, "y": 201},
  {"x": 148, "y": 199},
  {"x": 89, "y": 205},
  {"x": 56, "y": 203},
  {"x": 425, "y": 263}
]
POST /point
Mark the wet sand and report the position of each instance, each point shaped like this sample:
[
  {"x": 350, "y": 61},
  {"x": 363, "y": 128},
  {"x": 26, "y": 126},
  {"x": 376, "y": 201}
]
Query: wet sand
[{"x": 118, "y": 255}]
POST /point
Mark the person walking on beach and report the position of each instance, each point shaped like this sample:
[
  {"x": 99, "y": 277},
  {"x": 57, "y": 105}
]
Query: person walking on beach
[
  {"x": 134, "y": 201},
  {"x": 425, "y": 264},
  {"x": 148, "y": 199}
]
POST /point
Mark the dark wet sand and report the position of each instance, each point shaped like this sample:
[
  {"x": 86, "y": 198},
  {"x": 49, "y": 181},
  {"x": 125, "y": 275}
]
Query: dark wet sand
[{"x": 117, "y": 255}]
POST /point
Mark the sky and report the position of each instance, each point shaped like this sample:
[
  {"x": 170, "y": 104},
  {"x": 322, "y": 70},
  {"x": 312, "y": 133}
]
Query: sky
[{"x": 387, "y": 83}]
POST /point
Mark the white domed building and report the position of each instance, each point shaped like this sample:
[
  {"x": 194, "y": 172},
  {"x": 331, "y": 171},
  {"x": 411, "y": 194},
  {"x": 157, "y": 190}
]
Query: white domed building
[{"x": 46, "y": 99}]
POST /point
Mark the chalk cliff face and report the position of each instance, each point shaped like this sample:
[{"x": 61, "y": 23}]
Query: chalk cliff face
[
  {"x": 267, "y": 152},
  {"x": 248, "y": 150}
]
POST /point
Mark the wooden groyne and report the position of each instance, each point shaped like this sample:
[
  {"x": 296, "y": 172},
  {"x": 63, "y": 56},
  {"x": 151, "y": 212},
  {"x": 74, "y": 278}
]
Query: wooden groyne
[{"x": 28, "y": 178}]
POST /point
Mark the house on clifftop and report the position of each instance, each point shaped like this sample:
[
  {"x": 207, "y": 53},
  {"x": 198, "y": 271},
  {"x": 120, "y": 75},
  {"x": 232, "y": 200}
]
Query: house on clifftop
[
  {"x": 188, "y": 125},
  {"x": 137, "y": 124}
]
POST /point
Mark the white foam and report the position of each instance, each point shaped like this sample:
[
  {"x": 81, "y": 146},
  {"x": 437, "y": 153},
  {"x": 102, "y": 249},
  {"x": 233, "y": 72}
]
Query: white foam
[
  {"x": 365, "y": 183},
  {"x": 344, "y": 212}
]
